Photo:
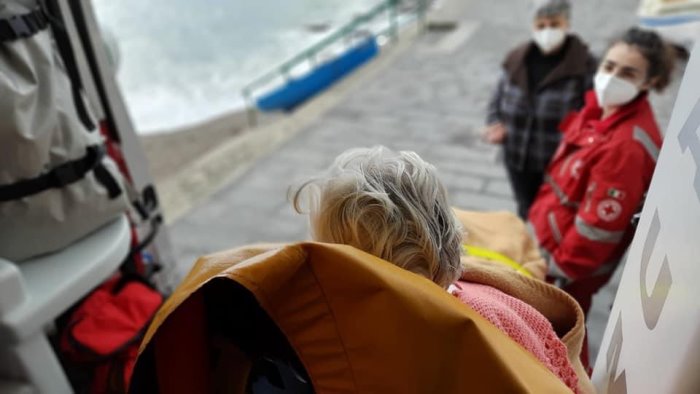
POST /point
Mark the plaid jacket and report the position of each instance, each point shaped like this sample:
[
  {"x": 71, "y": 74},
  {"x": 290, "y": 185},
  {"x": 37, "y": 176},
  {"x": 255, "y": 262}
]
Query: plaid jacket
[{"x": 532, "y": 116}]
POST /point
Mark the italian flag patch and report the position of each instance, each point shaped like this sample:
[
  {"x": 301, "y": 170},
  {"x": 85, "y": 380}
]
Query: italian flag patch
[{"x": 615, "y": 193}]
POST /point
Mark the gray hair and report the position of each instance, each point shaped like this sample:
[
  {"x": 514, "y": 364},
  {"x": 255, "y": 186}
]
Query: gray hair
[
  {"x": 549, "y": 8},
  {"x": 389, "y": 204}
]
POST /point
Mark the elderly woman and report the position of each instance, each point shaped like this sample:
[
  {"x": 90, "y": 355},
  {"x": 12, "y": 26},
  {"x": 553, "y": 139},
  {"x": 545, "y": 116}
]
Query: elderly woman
[{"x": 392, "y": 205}]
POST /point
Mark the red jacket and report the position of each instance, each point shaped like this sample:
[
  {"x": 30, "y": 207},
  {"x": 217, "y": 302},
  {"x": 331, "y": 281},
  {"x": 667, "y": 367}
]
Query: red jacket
[{"x": 594, "y": 185}]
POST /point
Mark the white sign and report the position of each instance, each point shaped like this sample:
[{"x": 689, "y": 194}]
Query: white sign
[{"x": 652, "y": 341}]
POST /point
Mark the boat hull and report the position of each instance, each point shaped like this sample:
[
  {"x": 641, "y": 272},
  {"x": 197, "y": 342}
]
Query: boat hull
[{"x": 298, "y": 90}]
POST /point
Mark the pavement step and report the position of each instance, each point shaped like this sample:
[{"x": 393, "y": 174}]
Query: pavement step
[
  {"x": 500, "y": 188},
  {"x": 460, "y": 153},
  {"x": 480, "y": 169},
  {"x": 481, "y": 202}
]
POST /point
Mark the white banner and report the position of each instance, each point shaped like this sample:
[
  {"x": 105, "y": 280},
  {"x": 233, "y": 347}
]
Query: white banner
[{"x": 652, "y": 341}]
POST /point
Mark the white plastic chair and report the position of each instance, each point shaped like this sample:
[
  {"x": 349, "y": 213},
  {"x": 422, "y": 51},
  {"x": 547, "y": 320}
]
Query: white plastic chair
[{"x": 34, "y": 292}]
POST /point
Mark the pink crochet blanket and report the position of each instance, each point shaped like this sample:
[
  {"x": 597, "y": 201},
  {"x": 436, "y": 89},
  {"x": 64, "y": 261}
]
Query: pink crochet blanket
[{"x": 523, "y": 323}]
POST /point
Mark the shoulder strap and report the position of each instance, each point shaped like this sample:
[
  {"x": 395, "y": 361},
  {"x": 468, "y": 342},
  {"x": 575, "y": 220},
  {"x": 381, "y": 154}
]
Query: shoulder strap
[
  {"x": 62, "y": 40},
  {"x": 64, "y": 175},
  {"x": 26, "y": 25},
  {"x": 22, "y": 26}
]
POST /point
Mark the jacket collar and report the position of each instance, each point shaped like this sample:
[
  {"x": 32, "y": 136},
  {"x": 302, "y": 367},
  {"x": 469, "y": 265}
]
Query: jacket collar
[
  {"x": 575, "y": 63},
  {"x": 592, "y": 112}
]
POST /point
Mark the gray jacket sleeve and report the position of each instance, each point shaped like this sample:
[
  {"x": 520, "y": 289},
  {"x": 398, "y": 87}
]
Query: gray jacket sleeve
[{"x": 493, "y": 113}]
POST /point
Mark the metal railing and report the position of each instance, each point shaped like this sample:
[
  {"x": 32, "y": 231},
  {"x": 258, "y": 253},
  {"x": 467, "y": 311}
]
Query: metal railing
[{"x": 310, "y": 54}]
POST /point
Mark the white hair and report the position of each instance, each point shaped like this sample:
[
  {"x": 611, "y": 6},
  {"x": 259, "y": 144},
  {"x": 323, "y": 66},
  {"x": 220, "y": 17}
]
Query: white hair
[{"x": 389, "y": 204}]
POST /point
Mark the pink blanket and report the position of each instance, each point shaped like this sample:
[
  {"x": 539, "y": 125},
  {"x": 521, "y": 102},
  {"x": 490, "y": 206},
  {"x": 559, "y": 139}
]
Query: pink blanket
[{"x": 523, "y": 323}]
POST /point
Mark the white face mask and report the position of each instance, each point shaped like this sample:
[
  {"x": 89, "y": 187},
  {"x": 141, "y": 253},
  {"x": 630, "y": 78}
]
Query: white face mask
[
  {"x": 549, "y": 39},
  {"x": 612, "y": 91}
]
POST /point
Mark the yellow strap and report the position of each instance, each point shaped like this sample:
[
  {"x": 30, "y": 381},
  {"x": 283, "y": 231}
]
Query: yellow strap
[{"x": 496, "y": 257}]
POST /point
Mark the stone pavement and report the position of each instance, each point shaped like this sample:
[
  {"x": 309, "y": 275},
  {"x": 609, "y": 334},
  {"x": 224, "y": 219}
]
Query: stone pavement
[{"x": 431, "y": 100}]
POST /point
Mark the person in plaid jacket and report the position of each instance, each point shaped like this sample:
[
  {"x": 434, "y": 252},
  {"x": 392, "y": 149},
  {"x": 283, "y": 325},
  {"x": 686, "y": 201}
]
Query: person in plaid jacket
[{"x": 542, "y": 80}]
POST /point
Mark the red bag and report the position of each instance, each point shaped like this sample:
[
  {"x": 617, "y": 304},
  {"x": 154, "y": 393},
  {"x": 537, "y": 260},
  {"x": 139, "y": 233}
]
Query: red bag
[{"x": 104, "y": 332}]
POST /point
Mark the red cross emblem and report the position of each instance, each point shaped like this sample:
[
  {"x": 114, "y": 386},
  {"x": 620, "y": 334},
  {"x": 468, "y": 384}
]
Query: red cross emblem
[{"x": 609, "y": 210}]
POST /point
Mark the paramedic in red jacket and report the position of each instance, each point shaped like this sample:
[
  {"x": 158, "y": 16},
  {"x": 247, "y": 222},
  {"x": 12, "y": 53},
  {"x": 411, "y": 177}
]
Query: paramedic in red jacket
[{"x": 601, "y": 171}]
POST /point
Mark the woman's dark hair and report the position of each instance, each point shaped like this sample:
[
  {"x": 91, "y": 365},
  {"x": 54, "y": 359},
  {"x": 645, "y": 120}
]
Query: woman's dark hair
[{"x": 658, "y": 54}]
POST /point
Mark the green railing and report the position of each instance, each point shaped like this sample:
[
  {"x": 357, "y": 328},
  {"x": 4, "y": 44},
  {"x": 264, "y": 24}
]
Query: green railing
[{"x": 311, "y": 53}]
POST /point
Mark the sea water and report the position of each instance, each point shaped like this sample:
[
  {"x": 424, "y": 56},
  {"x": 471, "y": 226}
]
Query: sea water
[{"x": 183, "y": 61}]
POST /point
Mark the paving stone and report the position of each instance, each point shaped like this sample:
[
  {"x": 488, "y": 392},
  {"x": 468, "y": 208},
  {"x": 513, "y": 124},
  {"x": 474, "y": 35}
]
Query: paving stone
[
  {"x": 461, "y": 182},
  {"x": 481, "y": 202},
  {"x": 487, "y": 170},
  {"x": 499, "y": 188},
  {"x": 464, "y": 153}
]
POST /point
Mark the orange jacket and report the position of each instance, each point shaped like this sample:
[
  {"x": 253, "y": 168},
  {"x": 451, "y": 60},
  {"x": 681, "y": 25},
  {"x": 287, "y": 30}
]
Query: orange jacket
[
  {"x": 594, "y": 185},
  {"x": 356, "y": 323}
]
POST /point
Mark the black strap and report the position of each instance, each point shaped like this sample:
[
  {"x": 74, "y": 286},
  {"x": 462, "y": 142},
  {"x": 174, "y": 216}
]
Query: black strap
[
  {"x": 107, "y": 180},
  {"x": 53, "y": 13},
  {"x": 22, "y": 26},
  {"x": 147, "y": 203},
  {"x": 60, "y": 176},
  {"x": 129, "y": 265},
  {"x": 78, "y": 99}
]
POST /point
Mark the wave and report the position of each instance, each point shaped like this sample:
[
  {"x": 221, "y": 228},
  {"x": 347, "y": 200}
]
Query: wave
[{"x": 182, "y": 62}]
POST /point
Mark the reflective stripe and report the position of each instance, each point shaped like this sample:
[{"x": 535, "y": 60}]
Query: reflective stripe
[
  {"x": 563, "y": 198},
  {"x": 554, "y": 227},
  {"x": 605, "y": 269},
  {"x": 564, "y": 166},
  {"x": 641, "y": 136},
  {"x": 597, "y": 234},
  {"x": 496, "y": 257},
  {"x": 562, "y": 279},
  {"x": 555, "y": 271}
]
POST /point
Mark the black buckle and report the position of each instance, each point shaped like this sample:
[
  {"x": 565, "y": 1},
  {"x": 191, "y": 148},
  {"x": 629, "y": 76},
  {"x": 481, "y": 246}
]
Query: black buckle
[
  {"x": 72, "y": 171},
  {"x": 19, "y": 26}
]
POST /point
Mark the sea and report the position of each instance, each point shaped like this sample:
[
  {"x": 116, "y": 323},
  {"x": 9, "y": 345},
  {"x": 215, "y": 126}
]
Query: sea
[{"x": 181, "y": 62}]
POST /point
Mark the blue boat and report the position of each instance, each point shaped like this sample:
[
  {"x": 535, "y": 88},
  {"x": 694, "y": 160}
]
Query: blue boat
[
  {"x": 300, "y": 89},
  {"x": 668, "y": 20}
]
